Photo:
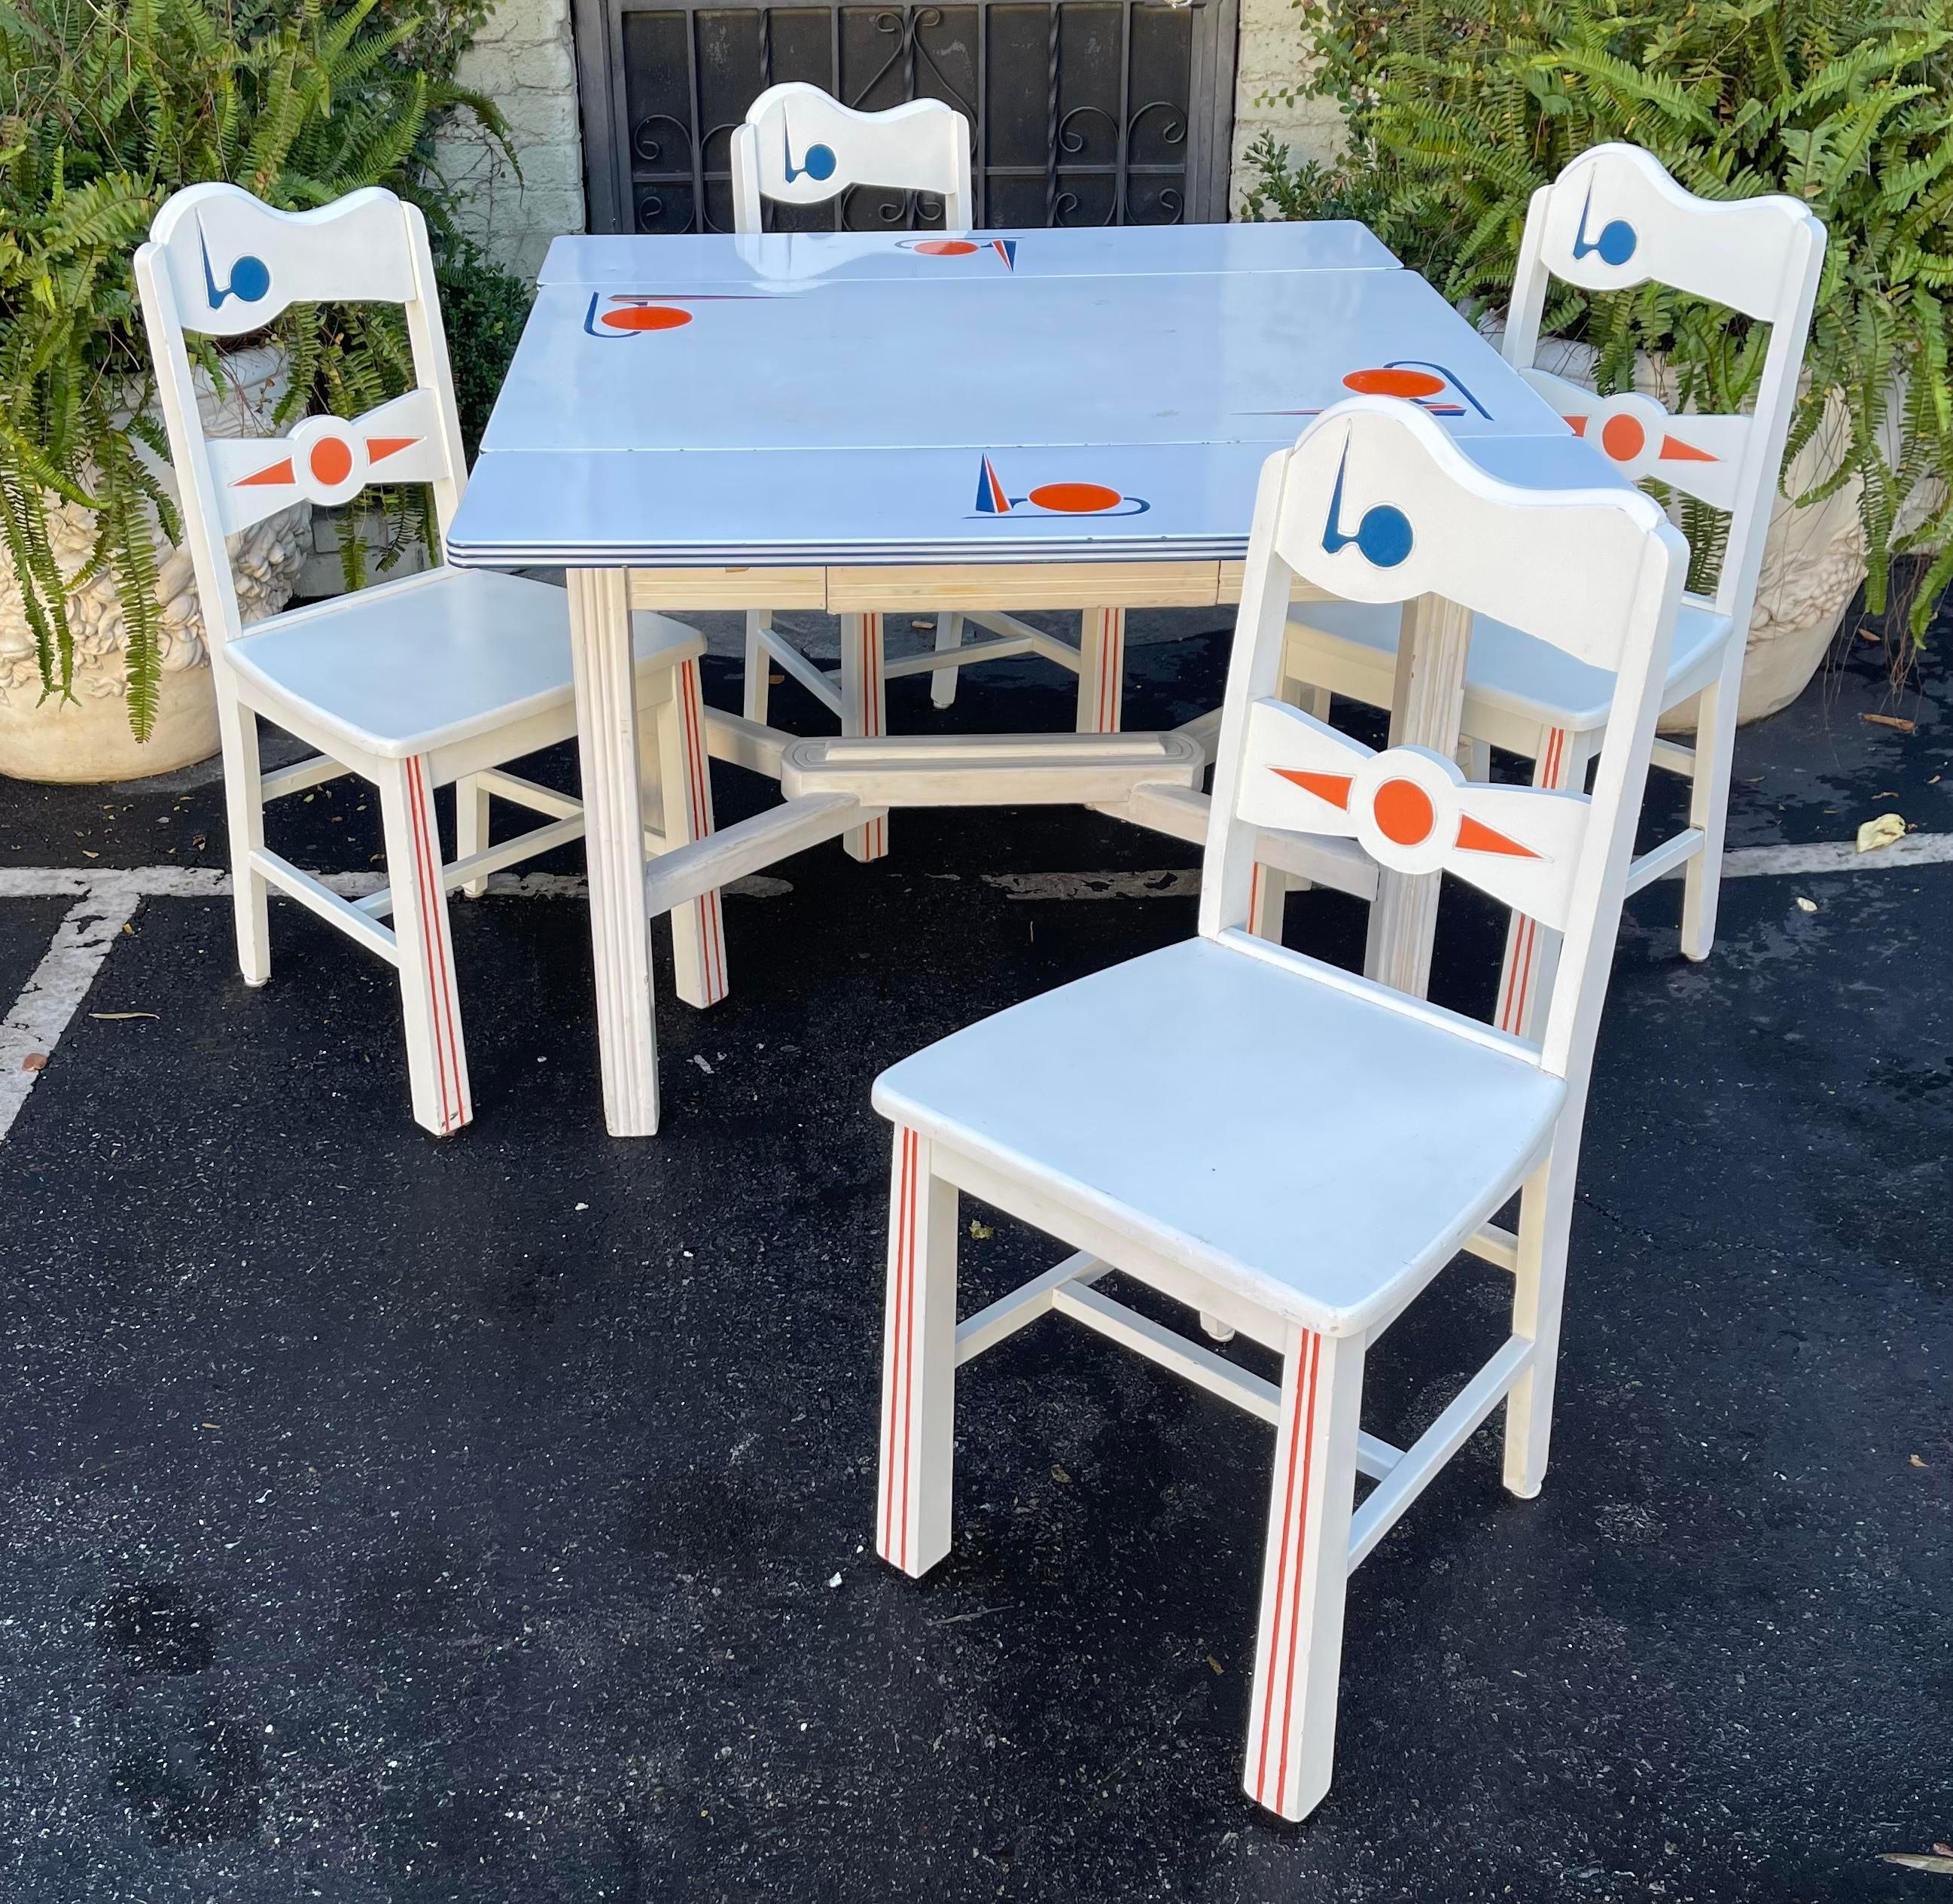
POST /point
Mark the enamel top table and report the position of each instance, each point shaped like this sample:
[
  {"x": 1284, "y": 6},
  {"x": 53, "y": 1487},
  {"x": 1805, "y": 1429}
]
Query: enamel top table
[{"x": 867, "y": 422}]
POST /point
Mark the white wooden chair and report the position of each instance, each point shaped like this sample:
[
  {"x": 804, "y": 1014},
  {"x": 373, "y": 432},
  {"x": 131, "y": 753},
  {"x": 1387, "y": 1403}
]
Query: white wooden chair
[
  {"x": 441, "y": 677},
  {"x": 797, "y": 145},
  {"x": 1613, "y": 219},
  {"x": 1292, "y": 1150}
]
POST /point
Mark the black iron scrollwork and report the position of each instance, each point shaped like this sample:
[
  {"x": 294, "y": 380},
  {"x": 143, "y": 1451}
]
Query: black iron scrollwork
[{"x": 1143, "y": 176}]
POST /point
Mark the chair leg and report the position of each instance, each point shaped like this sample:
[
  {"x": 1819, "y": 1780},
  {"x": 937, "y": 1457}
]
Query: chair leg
[
  {"x": 918, "y": 1363},
  {"x": 684, "y": 802},
  {"x": 471, "y": 828},
  {"x": 1298, "y": 1651},
  {"x": 244, "y": 812},
  {"x": 1546, "y": 1212},
  {"x": 1532, "y": 952},
  {"x": 1102, "y": 667},
  {"x": 436, "y": 1064},
  {"x": 864, "y": 710},
  {"x": 948, "y": 639},
  {"x": 759, "y": 664},
  {"x": 1709, "y": 801}
]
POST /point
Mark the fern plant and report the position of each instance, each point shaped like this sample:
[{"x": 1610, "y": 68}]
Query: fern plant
[
  {"x": 1458, "y": 110},
  {"x": 106, "y": 108}
]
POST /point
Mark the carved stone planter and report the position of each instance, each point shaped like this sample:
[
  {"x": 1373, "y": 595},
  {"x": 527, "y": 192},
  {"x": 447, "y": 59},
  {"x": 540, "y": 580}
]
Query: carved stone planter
[{"x": 88, "y": 738}]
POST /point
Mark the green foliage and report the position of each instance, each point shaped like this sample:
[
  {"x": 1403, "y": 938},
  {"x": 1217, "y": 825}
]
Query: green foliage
[
  {"x": 107, "y": 107},
  {"x": 483, "y": 308},
  {"x": 1458, "y": 110}
]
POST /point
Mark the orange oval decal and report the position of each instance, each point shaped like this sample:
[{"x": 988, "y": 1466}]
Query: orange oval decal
[
  {"x": 1076, "y": 498},
  {"x": 946, "y": 248},
  {"x": 1393, "y": 383},
  {"x": 647, "y": 317},
  {"x": 1623, "y": 438},
  {"x": 1404, "y": 812},
  {"x": 331, "y": 460}
]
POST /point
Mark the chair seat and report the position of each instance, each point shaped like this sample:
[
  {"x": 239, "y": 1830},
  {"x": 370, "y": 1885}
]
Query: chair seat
[
  {"x": 1506, "y": 673},
  {"x": 1313, "y": 1148},
  {"x": 408, "y": 666}
]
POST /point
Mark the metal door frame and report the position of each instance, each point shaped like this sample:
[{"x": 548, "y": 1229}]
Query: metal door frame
[{"x": 599, "y": 29}]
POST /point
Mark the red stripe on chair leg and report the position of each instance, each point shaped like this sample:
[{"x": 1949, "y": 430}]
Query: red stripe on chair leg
[
  {"x": 427, "y": 865},
  {"x": 892, "y": 1452},
  {"x": 1301, "y": 1547},
  {"x": 905, "y": 1261},
  {"x": 1254, "y": 893},
  {"x": 1281, "y": 1578},
  {"x": 908, "y": 1345}
]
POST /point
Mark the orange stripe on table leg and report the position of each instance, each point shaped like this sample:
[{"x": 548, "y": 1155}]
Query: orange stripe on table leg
[
  {"x": 1281, "y": 1576},
  {"x": 1301, "y": 1548},
  {"x": 1254, "y": 893},
  {"x": 1115, "y": 692},
  {"x": 895, "y": 1359}
]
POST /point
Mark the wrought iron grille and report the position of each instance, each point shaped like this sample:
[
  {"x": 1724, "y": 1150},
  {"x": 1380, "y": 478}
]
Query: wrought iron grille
[{"x": 1081, "y": 112}]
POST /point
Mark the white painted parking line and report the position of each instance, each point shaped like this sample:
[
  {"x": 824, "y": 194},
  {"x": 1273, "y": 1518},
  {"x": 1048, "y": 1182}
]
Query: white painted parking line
[
  {"x": 34, "y": 1026},
  {"x": 107, "y": 900},
  {"x": 1743, "y": 863}
]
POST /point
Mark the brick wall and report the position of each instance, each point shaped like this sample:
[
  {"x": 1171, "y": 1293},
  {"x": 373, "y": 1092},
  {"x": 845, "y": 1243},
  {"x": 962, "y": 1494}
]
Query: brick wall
[
  {"x": 524, "y": 60},
  {"x": 1271, "y": 56}
]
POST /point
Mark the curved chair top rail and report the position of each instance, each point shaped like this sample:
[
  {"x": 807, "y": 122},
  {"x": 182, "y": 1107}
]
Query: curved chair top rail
[
  {"x": 798, "y": 145},
  {"x": 234, "y": 264},
  {"x": 1615, "y": 218}
]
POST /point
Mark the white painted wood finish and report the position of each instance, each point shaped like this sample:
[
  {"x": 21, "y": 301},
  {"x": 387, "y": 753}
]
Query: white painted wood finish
[
  {"x": 1613, "y": 220},
  {"x": 412, "y": 684},
  {"x": 757, "y": 422},
  {"x": 1293, "y": 1151},
  {"x": 799, "y": 145}
]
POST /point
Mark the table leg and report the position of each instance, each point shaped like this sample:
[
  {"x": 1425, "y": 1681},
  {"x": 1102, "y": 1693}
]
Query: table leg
[
  {"x": 1426, "y": 709},
  {"x": 1102, "y": 667},
  {"x": 698, "y": 926},
  {"x": 620, "y": 930},
  {"x": 865, "y": 711}
]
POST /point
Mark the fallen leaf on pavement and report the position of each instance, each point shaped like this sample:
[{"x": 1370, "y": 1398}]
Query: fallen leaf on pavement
[
  {"x": 34, "y": 1061},
  {"x": 1881, "y": 831},
  {"x": 1806, "y": 905}
]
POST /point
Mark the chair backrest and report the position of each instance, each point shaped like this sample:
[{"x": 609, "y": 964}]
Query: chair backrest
[
  {"x": 220, "y": 263},
  {"x": 1613, "y": 219},
  {"x": 1376, "y": 504},
  {"x": 800, "y": 146}
]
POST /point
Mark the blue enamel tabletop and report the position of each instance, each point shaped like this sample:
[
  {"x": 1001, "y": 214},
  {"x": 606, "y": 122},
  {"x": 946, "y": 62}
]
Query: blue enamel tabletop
[{"x": 1109, "y": 393}]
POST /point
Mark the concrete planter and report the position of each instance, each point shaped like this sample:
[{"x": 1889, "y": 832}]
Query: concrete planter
[
  {"x": 1814, "y": 558},
  {"x": 88, "y": 738}
]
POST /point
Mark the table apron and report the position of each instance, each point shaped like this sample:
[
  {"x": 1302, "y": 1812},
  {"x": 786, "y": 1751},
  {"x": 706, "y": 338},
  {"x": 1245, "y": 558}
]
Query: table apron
[{"x": 949, "y": 586}]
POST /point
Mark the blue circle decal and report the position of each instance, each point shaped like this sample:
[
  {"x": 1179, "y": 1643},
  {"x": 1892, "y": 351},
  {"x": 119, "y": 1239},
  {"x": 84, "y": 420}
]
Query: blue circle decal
[{"x": 1384, "y": 535}]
